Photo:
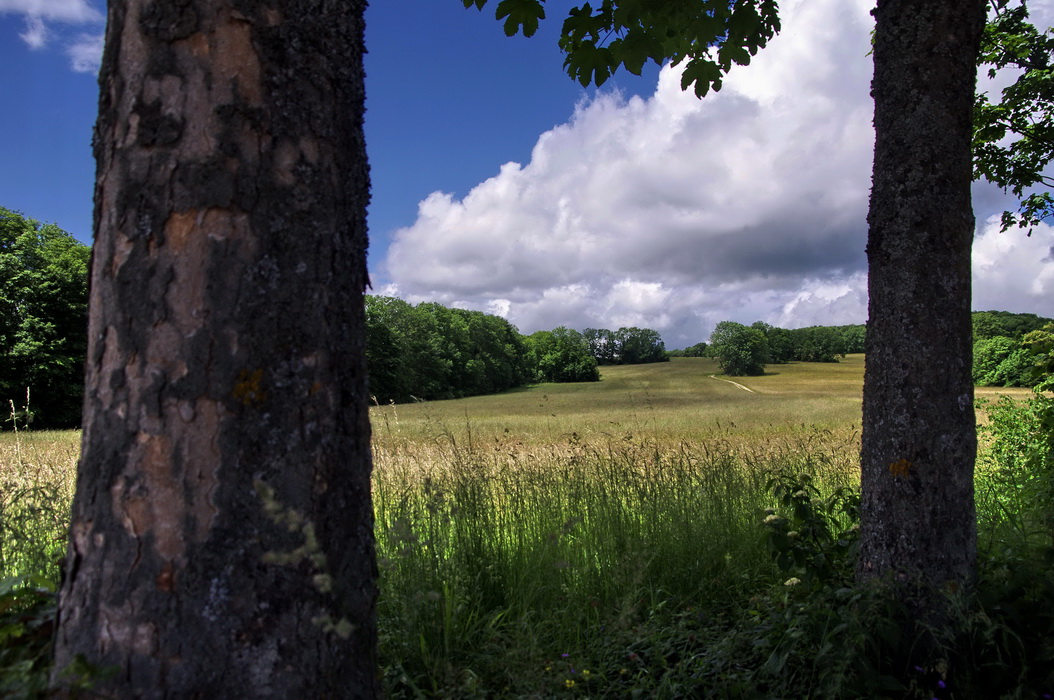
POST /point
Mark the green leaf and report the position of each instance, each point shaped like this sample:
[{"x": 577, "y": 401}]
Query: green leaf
[
  {"x": 635, "y": 50},
  {"x": 589, "y": 64},
  {"x": 702, "y": 73},
  {"x": 519, "y": 14},
  {"x": 729, "y": 54}
]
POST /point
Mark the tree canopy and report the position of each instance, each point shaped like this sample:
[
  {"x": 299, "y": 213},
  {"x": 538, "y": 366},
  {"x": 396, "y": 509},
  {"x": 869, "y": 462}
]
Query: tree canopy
[
  {"x": 1014, "y": 133},
  {"x": 740, "y": 350},
  {"x": 562, "y": 355},
  {"x": 626, "y": 346},
  {"x": 711, "y": 35},
  {"x": 43, "y": 319},
  {"x": 430, "y": 351}
]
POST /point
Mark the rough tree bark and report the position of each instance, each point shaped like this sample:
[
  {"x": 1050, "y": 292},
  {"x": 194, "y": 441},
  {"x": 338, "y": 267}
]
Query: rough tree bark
[
  {"x": 918, "y": 523},
  {"x": 221, "y": 539}
]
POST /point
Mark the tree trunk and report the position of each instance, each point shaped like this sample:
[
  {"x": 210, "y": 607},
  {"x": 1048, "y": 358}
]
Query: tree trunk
[
  {"x": 918, "y": 523},
  {"x": 221, "y": 538}
]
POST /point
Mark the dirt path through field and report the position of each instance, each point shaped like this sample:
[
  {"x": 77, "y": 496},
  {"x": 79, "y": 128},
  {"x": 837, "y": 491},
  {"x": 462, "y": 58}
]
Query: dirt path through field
[{"x": 744, "y": 388}]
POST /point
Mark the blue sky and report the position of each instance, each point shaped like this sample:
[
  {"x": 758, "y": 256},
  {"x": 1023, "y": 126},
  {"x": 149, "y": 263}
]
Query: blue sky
[{"x": 501, "y": 185}]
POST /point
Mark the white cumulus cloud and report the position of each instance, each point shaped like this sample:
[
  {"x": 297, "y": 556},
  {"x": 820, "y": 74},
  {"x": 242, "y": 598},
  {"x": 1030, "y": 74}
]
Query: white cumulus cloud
[
  {"x": 39, "y": 14},
  {"x": 86, "y": 53},
  {"x": 672, "y": 212},
  {"x": 61, "y": 10},
  {"x": 676, "y": 213},
  {"x": 1013, "y": 269},
  {"x": 36, "y": 33}
]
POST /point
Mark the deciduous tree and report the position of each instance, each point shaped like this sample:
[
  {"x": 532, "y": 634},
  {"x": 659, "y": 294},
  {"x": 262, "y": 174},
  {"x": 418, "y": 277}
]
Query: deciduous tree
[
  {"x": 918, "y": 523},
  {"x": 562, "y": 355},
  {"x": 740, "y": 351},
  {"x": 43, "y": 320},
  {"x": 1013, "y": 136},
  {"x": 221, "y": 541}
]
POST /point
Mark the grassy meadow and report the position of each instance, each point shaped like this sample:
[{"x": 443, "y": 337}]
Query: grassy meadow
[
  {"x": 663, "y": 533},
  {"x": 671, "y": 402}
]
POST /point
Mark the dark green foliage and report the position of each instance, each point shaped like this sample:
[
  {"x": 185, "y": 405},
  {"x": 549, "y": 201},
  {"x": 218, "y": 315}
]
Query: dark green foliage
[
  {"x": 601, "y": 344},
  {"x": 988, "y": 324},
  {"x": 1020, "y": 454},
  {"x": 1001, "y": 355},
  {"x": 27, "y": 627},
  {"x": 27, "y": 616},
  {"x": 562, "y": 355},
  {"x": 431, "y": 352},
  {"x": 1041, "y": 345},
  {"x": 853, "y": 337},
  {"x": 781, "y": 344},
  {"x": 626, "y": 346},
  {"x": 1014, "y": 135},
  {"x": 639, "y": 346},
  {"x": 43, "y": 319},
  {"x": 817, "y": 344},
  {"x": 740, "y": 351},
  {"x": 697, "y": 350},
  {"x": 600, "y": 621},
  {"x": 710, "y": 34},
  {"x": 812, "y": 534},
  {"x": 1001, "y": 361}
]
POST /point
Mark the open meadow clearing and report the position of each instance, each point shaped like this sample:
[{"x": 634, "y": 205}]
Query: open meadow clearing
[
  {"x": 625, "y": 538},
  {"x": 682, "y": 400}
]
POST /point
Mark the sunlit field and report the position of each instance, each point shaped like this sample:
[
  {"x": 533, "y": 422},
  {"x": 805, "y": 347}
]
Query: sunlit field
[
  {"x": 621, "y": 539},
  {"x": 37, "y": 475},
  {"x": 682, "y": 400}
]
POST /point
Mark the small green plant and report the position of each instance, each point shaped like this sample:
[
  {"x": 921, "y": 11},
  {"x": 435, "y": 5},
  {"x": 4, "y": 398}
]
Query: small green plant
[
  {"x": 1019, "y": 456},
  {"x": 812, "y": 536},
  {"x": 27, "y": 615}
]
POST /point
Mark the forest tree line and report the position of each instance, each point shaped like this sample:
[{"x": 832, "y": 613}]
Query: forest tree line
[
  {"x": 429, "y": 351},
  {"x": 1003, "y": 353}
]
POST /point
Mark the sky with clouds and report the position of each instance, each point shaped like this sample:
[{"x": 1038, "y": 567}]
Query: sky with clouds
[{"x": 500, "y": 185}]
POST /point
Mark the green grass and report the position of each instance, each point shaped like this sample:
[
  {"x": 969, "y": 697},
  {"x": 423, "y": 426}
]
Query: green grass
[
  {"x": 37, "y": 476},
  {"x": 672, "y": 402},
  {"x": 606, "y": 540}
]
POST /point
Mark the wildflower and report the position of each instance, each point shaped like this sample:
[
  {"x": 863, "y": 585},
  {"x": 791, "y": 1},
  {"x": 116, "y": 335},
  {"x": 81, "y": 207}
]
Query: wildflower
[
  {"x": 569, "y": 683},
  {"x": 770, "y": 519},
  {"x": 585, "y": 673},
  {"x": 793, "y": 581},
  {"x": 622, "y": 671}
]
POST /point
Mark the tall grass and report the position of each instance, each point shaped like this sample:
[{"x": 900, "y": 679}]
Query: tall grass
[
  {"x": 37, "y": 479},
  {"x": 502, "y": 560},
  {"x": 609, "y": 541}
]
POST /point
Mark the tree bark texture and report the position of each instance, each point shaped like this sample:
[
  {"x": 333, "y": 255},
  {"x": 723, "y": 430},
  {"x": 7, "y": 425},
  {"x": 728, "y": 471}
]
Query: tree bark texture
[
  {"x": 919, "y": 438},
  {"x": 221, "y": 537}
]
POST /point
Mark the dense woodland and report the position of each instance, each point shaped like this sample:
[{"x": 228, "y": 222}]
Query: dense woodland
[
  {"x": 429, "y": 351},
  {"x": 43, "y": 319}
]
